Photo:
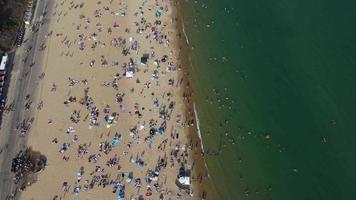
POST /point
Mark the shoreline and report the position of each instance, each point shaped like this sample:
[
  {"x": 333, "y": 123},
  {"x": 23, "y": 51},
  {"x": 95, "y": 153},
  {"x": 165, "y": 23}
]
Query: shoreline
[{"x": 200, "y": 169}]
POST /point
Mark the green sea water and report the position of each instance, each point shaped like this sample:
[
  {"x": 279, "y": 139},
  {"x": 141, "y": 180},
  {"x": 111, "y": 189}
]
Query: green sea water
[{"x": 275, "y": 88}]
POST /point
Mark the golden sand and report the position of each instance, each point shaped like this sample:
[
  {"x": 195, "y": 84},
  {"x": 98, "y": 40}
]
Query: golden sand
[{"x": 64, "y": 63}]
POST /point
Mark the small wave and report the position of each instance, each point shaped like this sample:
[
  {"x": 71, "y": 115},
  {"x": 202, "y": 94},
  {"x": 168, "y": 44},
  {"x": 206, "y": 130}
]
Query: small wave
[
  {"x": 185, "y": 35},
  {"x": 199, "y": 135},
  {"x": 198, "y": 127}
]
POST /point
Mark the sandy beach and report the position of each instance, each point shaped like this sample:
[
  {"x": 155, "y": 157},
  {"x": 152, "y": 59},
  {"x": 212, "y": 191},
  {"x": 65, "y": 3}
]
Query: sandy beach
[{"x": 113, "y": 110}]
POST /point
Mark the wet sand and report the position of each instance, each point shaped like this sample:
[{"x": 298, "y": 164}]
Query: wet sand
[{"x": 94, "y": 119}]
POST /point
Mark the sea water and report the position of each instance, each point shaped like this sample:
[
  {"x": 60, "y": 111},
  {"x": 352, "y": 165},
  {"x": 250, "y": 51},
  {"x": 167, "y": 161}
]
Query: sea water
[{"x": 275, "y": 92}]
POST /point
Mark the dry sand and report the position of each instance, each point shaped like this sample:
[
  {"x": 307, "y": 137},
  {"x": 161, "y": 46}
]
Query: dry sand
[{"x": 64, "y": 61}]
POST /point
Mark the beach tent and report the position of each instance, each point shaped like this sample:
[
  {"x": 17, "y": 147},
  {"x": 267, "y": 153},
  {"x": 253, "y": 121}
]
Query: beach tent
[
  {"x": 129, "y": 74},
  {"x": 121, "y": 195},
  {"x": 144, "y": 58},
  {"x": 129, "y": 177},
  {"x": 184, "y": 180},
  {"x": 115, "y": 140},
  {"x": 160, "y": 11}
]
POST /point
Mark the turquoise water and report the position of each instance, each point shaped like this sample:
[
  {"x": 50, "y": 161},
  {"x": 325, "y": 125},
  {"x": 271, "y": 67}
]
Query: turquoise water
[{"x": 275, "y": 85}]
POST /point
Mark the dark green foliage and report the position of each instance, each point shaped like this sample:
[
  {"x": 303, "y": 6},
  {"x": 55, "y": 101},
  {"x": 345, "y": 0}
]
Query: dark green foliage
[{"x": 11, "y": 21}]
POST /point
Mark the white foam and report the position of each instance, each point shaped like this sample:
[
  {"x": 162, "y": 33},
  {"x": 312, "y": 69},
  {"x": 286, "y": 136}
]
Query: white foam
[
  {"x": 198, "y": 127},
  {"x": 185, "y": 35},
  {"x": 199, "y": 135}
]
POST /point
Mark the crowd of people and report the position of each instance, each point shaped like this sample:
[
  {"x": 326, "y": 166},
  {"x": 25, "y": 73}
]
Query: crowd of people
[{"x": 143, "y": 125}]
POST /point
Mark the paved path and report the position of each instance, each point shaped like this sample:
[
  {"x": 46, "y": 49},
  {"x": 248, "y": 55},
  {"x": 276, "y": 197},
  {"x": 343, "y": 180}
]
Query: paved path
[{"x": 24, "y": 80}]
